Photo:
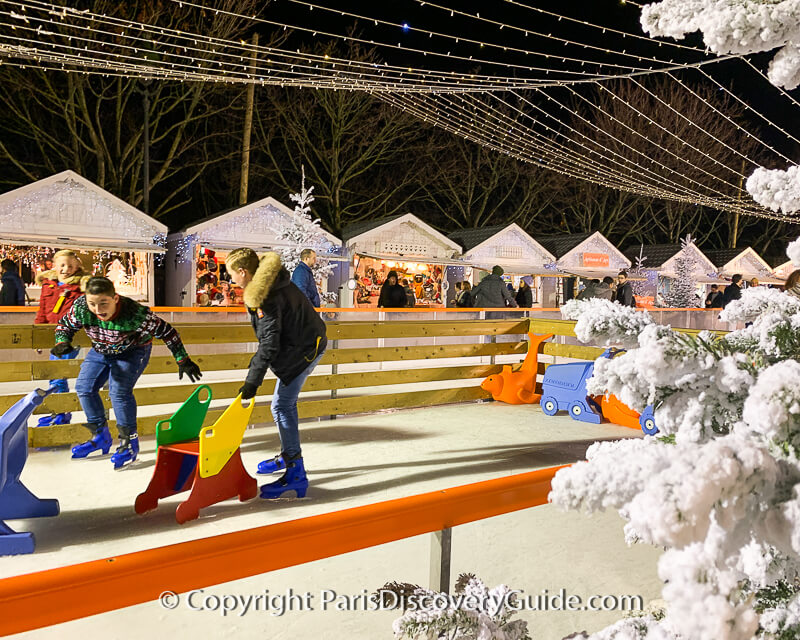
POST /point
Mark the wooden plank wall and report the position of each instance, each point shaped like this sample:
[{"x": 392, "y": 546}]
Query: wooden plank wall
[
  {"x": 479, "y": 335},
  {"x": 18, "y": 337}
]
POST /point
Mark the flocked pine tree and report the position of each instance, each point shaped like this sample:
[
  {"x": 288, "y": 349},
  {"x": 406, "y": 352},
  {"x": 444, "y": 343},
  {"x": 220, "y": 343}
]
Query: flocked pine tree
[
  {"x": 641, "y": 287},
  {"x": 305, "y": 232},
  {"x": 719, "y": 487},
  {"x": 682, "y": 290}
]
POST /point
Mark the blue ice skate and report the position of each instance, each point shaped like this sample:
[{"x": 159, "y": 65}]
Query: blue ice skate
[
  {"x": 294, "y": 479},
  {"x": 100, "y": 441},
  {"x": 127, "y": 451}
]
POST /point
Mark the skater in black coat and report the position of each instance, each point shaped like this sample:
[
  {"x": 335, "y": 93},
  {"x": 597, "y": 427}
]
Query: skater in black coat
[{"x": 291, "y": 340}]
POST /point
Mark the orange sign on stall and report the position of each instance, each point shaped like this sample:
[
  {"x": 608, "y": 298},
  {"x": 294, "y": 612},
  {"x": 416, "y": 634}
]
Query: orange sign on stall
[{"x": 595, "y": 260}]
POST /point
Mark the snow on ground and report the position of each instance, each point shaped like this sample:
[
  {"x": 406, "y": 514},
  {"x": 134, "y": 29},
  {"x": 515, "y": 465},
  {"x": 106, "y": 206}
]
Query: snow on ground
[{"x": 351, "y": 461}]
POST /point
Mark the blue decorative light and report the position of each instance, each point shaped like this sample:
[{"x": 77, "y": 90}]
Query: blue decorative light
[{"x": 406, "y": 27}]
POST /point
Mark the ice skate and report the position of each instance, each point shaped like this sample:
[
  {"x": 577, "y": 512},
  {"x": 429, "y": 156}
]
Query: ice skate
[
  {"x": 127, "y": 450},
  {"x": 100, "y": 441},
  {"x": 272, "y": 465},
  {"x": 46, "y": 421},
  {"x": 293, "y": 480}
]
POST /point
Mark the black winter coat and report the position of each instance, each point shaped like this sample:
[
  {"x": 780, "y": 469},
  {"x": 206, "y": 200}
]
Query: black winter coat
[
  {"x": 289, "y": 330},
  {"x": 392, "y": 295},
  {"x": 625, "y": 295},
  {"x": 732, "y": 292},
  {"x": 524, "y": 297},
  {"x": 12, "y": 293}
]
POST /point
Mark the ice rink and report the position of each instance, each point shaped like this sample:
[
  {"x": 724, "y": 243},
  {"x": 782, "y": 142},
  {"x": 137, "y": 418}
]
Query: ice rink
[{"x": 351, "y": 461}]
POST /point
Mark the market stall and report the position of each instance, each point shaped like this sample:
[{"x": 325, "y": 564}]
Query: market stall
[
  {"x": 196, "y": 274},
  {"x": 661, "y": 264},
  {"x": 782, "y": 270},
  {"x": 510, "y": 247},
  {"x": 744, "y": 261},
  {"x": 419, "y": 254},
  {"x": 66, "y": 210},
  {"x": 581, "y": 255}
]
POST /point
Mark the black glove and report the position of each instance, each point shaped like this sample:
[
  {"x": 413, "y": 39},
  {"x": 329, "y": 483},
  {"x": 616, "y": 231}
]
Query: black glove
[
  {"x": 248, "y": 390},
  {"x": 62, "y": 349},
  {"x": 191, "y": 370}
]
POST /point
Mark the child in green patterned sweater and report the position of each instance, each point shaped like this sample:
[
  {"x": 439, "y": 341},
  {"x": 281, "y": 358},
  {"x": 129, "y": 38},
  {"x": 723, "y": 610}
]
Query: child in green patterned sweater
[{"x": 122, "y": 332}]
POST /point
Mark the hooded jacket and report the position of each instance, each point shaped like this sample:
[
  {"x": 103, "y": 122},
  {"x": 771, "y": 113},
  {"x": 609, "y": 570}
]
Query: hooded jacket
[
  {"x": 289, "y": 330},
  {"x": 12, "y": 292},
  {"x": 56, "y": 297},
  {"x": 492, "y": 293},
  {"x": 392, "y": 295}
]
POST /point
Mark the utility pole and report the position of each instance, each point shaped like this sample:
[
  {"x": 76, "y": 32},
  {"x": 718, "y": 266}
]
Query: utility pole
[
  {"x": 736, "y": 215},
  {"x": 248, "y": 126},
  {"x": 146, "y": 155}
]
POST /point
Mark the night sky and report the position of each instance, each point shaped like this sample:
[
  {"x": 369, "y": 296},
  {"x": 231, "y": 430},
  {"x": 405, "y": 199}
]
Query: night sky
[{"x": 735, "y": 74}]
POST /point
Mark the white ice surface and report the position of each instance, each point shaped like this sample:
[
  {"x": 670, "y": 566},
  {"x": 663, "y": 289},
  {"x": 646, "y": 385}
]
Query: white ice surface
[{"x": 351, "y": 461}]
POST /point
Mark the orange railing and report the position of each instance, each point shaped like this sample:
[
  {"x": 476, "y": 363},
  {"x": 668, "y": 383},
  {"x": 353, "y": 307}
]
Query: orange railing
[{"x": 44, "y": 598}]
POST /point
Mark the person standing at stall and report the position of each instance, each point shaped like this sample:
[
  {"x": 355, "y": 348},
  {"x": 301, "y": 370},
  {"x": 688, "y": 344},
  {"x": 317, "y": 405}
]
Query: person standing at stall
[
  {"x": 392, "y": 293},
  {"x": 303, "y": 276},
  {"x": 12, "y": 293},
  {"x": 61, "y": 287},
  {"x": 492, "y": 292},
  {"x": 524, "y": 295},
  {"x": 624, "y": 293},
  {"x": 291, "y": 341},
  {"x": 733, "y": 291}
]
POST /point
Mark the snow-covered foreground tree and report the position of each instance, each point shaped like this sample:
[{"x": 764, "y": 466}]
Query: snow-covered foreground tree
[
  {"x": 743, "y": 27},
  {"x": 719, "y": 487}
]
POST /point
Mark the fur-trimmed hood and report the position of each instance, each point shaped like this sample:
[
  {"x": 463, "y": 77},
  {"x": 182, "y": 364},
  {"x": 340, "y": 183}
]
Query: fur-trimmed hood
[
  {"x": 79, "y": 277},
  {"x": 265, "y": 276}
]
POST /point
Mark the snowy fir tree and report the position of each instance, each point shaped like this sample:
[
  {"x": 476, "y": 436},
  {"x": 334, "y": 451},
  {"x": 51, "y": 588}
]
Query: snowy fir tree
[
  {"x": 743, "y": 27},
  {"x": 719, "y": 486},
  {"x": 641, "y": 287},
  {"x": 305, "y": 232},
  {"x": 472, "y": 612},
  {"x": 682, "y": 291}
]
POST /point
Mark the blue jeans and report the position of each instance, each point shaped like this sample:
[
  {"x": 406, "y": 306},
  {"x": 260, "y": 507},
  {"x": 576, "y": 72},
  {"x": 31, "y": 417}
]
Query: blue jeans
[
  {"x": 284, "y": 411},
  {"x": 122, "y": 372}
]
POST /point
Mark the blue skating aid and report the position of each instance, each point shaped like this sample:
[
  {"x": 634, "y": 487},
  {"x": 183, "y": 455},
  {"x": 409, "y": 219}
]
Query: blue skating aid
[
  {"x": 16, "y": 501},
  {"x": 648, "y": 420},
  {"x": 564, "y": 389}
]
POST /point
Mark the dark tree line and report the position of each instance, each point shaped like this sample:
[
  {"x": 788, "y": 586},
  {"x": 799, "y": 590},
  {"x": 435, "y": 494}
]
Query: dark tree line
[{"x": 364, "y": 157}]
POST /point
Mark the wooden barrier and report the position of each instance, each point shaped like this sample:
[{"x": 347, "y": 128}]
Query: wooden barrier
[
  {"x": 475, "y": 332},
  {"x": 44, "y": 598}
]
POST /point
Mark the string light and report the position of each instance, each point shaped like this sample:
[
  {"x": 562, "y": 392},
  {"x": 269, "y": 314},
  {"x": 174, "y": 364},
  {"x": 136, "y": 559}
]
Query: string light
[
  {"x": 171, "y": 66},
  {"x": 486, "y": 43},
  {"x": 454, "y": 101}
]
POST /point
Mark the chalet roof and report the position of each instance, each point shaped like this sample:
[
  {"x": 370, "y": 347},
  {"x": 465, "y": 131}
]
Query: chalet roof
[
  {"x": 561, "y": 244},
  {"x": 655, "y": 254}
]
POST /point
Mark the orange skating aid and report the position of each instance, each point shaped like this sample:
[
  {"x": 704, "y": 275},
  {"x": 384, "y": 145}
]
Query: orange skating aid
[
  {"x": 210, "y": 467},
  {"x": 618, "y": 413},
  {"x": 518, "y": 387}
]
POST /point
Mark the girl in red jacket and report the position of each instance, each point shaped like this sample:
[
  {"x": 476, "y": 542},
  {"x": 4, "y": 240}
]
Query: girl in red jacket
[{"x": 61, "y": 286}]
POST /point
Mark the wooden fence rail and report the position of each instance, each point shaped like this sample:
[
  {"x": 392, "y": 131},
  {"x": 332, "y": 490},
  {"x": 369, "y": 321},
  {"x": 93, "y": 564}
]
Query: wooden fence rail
[{"x": 478, "y": 342}]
